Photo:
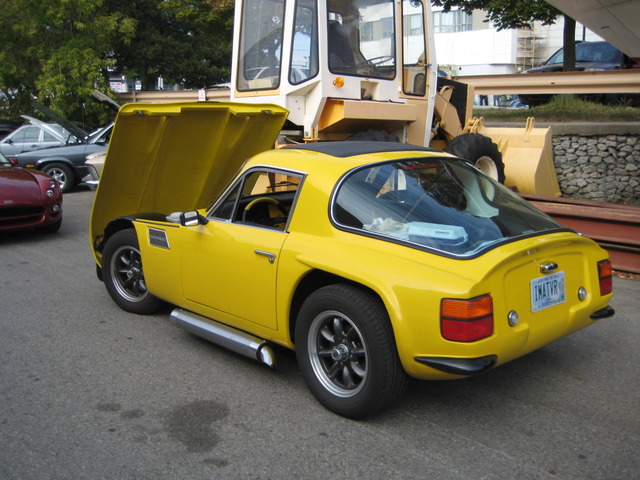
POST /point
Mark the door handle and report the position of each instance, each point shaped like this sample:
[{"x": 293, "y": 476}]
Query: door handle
[{"x": 270, "y": 256}]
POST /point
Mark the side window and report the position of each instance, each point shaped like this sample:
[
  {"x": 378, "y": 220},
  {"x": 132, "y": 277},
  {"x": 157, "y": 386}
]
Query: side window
[
  {"x": 47, "y": 137},
  {"x": 304, "y": 57},
  {"x": 262, "y": 198},
  {"x": 414, "y": 48},
  {"x": 27, "y": 135}
]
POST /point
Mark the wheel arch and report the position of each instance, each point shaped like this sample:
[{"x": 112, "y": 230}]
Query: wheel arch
[
  {"x": 122, "y": 223},
  {"x": 317, "y": 279},
  {"x": 113, "y": 227},
  {"x": 43, "y": 162}
]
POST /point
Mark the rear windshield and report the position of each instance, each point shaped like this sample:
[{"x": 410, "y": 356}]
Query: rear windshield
[{"x": 444, "y": 205}]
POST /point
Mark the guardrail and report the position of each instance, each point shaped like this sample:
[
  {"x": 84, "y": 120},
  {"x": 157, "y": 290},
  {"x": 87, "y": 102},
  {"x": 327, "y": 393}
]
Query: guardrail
[
  {"x": 217, "y": 94},
  {"x": 610, "y": 81}
]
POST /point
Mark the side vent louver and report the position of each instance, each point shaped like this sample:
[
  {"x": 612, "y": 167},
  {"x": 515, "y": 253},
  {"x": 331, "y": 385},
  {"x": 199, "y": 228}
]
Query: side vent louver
[{"x": 158, "y": 238}]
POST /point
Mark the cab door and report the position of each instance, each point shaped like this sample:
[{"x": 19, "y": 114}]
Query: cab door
[{"x": 231, "y": 263}]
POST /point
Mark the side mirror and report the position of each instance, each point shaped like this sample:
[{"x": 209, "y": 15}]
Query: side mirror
[
  {"x": 192, "y": 218},
  {"x": 13, "y": 161}
]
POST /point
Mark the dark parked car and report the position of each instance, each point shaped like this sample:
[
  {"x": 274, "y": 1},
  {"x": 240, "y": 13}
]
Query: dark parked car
[
  {"x": 589, "y": 56},
  {"x": 66, "y": 163},
  {"x": 28, "y": 199}
]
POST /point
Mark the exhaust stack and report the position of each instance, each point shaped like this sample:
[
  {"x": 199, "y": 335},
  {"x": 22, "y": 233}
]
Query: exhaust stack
[{"x": 224, "y": 336}]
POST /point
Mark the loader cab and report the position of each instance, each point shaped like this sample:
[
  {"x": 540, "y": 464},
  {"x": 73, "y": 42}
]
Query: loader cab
[{"x": 303, "y": 54}]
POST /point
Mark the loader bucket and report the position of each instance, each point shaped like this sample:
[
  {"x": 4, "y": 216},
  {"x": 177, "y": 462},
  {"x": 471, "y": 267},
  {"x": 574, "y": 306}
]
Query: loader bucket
[{"x": 527, "y": 157}]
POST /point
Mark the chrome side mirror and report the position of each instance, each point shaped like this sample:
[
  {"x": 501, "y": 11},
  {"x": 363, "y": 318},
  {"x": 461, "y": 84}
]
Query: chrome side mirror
[{"x": 192, "y": 218}]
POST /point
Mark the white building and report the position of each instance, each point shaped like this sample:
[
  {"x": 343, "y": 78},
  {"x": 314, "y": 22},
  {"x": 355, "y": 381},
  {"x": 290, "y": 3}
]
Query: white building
[{"x": 467, "y": 45}]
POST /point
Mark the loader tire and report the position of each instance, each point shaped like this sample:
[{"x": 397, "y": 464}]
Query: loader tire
[
  {"x": 481, "y": 152},
  {"x": 373, "y": 136}
]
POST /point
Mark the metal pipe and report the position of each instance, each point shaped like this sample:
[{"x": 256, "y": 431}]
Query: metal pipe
[{"x": 224, "y": 336}]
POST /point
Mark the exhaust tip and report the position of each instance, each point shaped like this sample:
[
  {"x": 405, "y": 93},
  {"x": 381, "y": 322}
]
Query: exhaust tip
[{"x": 266, "y": 355}]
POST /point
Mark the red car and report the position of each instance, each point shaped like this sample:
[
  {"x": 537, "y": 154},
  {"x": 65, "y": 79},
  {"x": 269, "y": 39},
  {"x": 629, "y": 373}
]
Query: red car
[{"x": 28, "y": 199}]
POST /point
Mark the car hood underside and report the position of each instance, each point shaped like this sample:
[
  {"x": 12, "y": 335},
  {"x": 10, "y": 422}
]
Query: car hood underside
[{"x": 167, "y": 157}]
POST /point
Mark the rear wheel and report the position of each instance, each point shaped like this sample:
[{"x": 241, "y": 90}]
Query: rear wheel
[
  {"x": 346, "y": 351},
  {"x": 480, "y": 151},
  {"x": 123, "y": 274}
]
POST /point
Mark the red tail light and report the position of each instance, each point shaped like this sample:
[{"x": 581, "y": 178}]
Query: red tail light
[
  {"x": 466, "y": 320},
  {"x": 605, "y": 275}
]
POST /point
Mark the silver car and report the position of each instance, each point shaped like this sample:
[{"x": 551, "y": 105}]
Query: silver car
[{"x": 34, "y": 136}]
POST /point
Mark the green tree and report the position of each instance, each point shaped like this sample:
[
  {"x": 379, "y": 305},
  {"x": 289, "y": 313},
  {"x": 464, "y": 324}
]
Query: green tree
[
  {"x": 186, "y": 42},
  {"x": 57, "y": 52},
  {"x": 520, "y": 14}
]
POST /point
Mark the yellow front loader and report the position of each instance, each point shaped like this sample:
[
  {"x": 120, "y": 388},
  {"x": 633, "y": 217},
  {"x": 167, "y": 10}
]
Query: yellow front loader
[{"x": 365, "y": 70}]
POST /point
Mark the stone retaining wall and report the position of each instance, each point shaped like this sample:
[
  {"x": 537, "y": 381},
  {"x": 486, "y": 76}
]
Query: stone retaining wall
[{"x": 602, "y": 168}]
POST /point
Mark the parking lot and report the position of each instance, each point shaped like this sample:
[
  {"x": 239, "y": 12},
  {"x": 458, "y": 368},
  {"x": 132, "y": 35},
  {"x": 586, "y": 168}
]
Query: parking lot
[{"x": 88, "y": 391}]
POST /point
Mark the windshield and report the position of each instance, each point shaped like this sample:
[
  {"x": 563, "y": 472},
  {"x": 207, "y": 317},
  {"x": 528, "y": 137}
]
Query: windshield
[
  {"x": 598, "y": 52},
  {"x": 260, "y": 45},
  {"x": 102, "y": 135},
  {"x": 444, "y": 205},
  {"x": 361, "y": 36}
]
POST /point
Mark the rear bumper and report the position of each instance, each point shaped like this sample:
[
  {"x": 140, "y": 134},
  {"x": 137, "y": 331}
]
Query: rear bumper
[
  {"x": 90, "y": 181},
  {"x": 460, "y": 366},
  {"x": 605, "y": 312}
]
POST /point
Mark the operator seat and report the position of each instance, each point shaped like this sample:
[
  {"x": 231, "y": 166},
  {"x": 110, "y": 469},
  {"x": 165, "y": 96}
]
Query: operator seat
[{"x": 341, "y": 59}]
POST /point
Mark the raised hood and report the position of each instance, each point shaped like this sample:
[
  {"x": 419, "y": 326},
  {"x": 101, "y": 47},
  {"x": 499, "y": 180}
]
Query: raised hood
[
  {"x": 57, "y": 134},
  {"x": 167, "y": 157},
  {"x": 71, "y": 127}
]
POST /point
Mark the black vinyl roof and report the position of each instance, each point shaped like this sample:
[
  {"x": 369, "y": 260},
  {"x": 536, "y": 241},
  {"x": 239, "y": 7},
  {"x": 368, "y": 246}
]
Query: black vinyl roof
[{"x": 350, "y": 148}]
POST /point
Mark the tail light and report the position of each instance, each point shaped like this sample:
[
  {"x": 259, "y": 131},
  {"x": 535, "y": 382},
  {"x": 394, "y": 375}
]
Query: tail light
[
  {"x": 464, "y": 320},
  {"x": 605, "y": 276}
]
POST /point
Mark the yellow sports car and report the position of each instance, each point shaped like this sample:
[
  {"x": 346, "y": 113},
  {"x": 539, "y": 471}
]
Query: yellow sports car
[{"x": 374, "y": 261}]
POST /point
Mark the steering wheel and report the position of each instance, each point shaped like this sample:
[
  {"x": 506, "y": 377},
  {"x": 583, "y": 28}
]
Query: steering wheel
[
  {"x": 259, "y": 200},
  {"x": 379, "y": 60}
]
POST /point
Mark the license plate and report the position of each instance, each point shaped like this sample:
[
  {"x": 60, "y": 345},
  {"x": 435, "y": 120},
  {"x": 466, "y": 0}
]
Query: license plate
[{"x": 547, "y": 291}]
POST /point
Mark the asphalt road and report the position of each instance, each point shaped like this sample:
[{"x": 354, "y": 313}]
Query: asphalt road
[{"x": 88, "y": 391}]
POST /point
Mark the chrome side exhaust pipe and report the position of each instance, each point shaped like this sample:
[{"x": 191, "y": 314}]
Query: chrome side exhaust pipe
[{"x": 224, "y": 336}]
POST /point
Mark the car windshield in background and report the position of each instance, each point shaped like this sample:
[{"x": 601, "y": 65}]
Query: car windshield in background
[
  {"x": 442, "y": 205},
  {"x": 596, "y": 52}
]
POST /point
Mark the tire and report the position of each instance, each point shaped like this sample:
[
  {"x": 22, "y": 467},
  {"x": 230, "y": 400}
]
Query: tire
[
  {"x": 346, "y": 352},
  {"x": 63, "y": 175},
  {"x": 123, "y": 274},
  {"x": 480, "y": 151},
  {"x": 373, "y": 136}
]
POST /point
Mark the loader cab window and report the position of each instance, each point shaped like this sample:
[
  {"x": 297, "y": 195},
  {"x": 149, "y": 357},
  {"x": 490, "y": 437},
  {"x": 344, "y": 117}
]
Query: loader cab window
[
  {"x": 260, "y": 45},
  {"x": 414, "y": 48},
  {"x": 304, "y": 54},
  {"x": 361, "y": 38}
]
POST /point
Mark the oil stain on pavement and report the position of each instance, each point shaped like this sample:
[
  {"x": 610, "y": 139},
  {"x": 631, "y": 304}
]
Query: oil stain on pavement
[{"x": 191, "y": 424}]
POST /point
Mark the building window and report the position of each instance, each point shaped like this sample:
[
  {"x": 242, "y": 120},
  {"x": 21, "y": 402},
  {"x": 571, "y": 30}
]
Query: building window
[{"x": 452, "y": 21}]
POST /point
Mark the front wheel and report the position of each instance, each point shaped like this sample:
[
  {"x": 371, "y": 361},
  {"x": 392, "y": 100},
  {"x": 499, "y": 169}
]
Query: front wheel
[
  {"x": 346, "y": 351},
  {"x": 123, "y": 274},
  {"x": 62, "y": 174},
  {"x": 481, "y": 152}
]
